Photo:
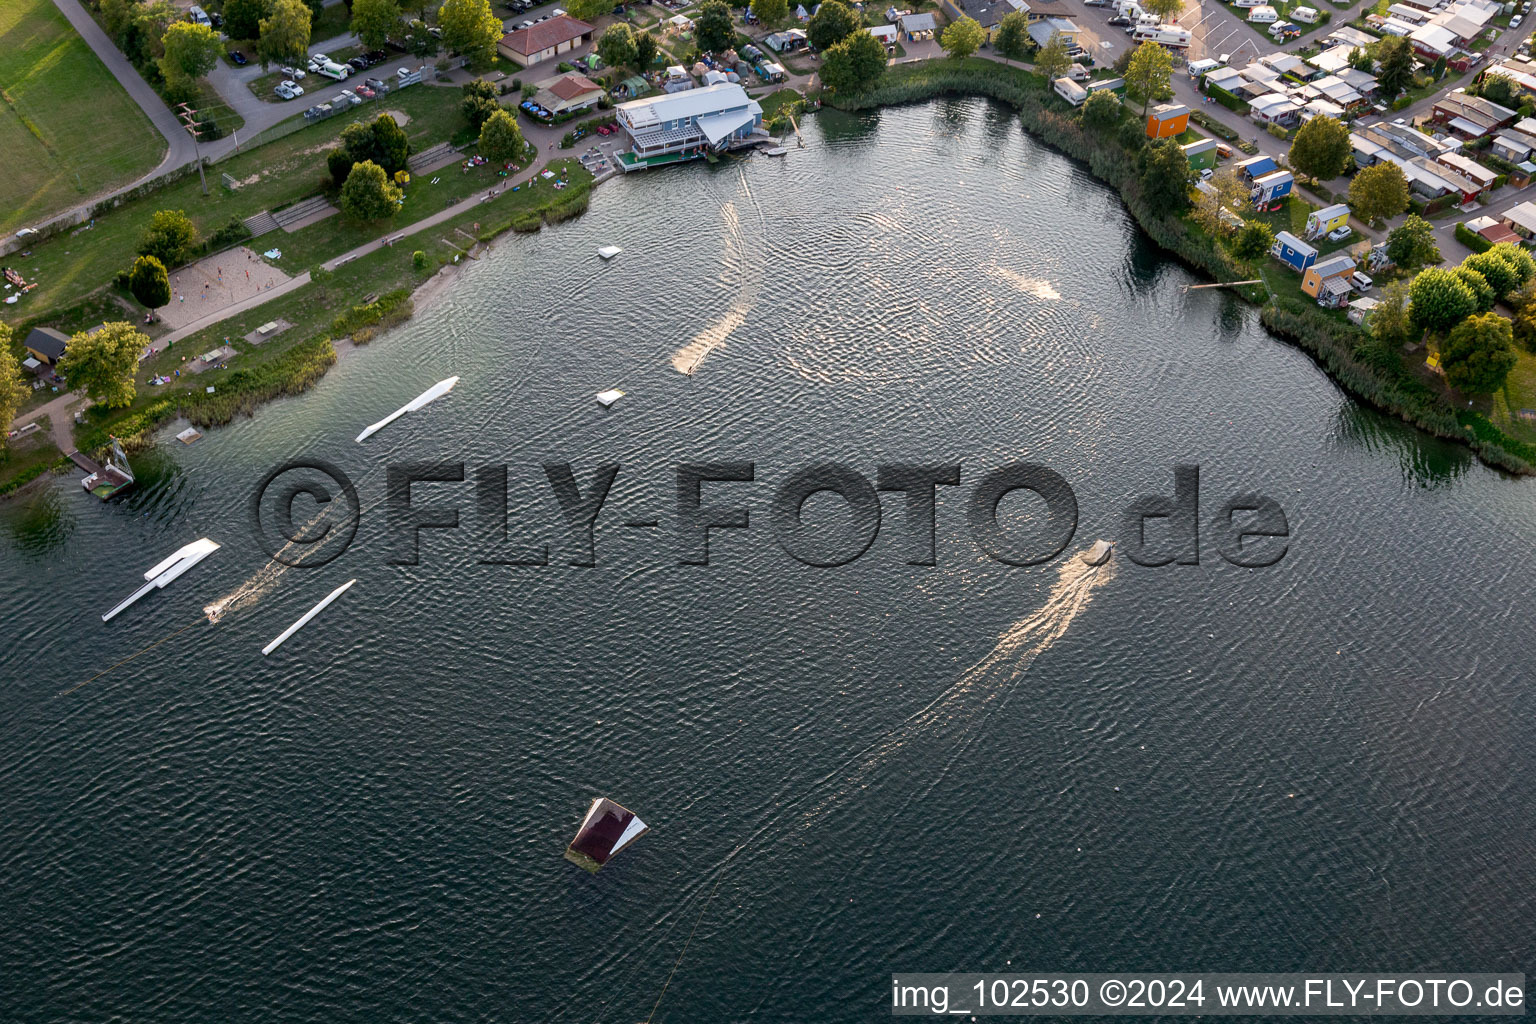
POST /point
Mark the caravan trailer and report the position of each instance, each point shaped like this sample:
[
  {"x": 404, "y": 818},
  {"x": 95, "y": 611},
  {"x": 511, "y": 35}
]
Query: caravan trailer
[{"x": 1171, "y": 36}]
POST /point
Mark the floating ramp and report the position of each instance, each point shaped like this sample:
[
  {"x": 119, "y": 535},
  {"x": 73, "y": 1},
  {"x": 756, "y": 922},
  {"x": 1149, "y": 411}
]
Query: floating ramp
[
  {"x": 432, "y": 394},
  {"x": 164, "y": 572},
  {"x": 607, "y": 829}
]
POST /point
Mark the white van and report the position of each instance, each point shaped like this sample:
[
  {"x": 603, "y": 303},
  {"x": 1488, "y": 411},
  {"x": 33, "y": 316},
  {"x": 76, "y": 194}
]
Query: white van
[
  {"x": 198, "y": 16},
  {"x": 1263, "y": 15},
  {"x": 330, "y": 69}
]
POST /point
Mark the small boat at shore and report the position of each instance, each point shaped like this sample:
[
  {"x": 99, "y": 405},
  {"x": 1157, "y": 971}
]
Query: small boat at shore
[
  {"x": 775, "y": 151},
  {"x": 432, "y": 394},
  {"x": 1098, "y": 554},
  {"x": 167, "y": 570}
]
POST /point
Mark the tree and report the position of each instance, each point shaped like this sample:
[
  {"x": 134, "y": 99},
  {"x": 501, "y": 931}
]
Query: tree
[
  {"x": 770, "y": 12},
  {"x": 1477, "y": 284},
  {"x": 588, "y": 10},
  {"x": 102, "y": 363},
  {"x": 1518, "y": 260},
  {"x": 391, "y": 148},
  {"x": 339, "y": 163},
  {"x": 374, "y": 21},
  {"x": 1149, "y": 72},
  {"x": 1500, "y": 275},
  {"x": 646, "y": 49},
  {"x": 1253, "y": 240},
  {"x": 1411, "y": 245},
  {"x": 501, "y": 139},
  {"x": 1165, "y": 10},
  {"x": 368, "y": 194},
  {"x": 13, "y": 388},
  {"x": 1501, "y": 89},
  {"x": 284, "y": 34},
  {"x": 1378, "y": 191},
  {"x": 419, "y": 38},
  {"x": 1438, "y": 300},
  {"x": 116, "y": 16},
  {"x": 1165, "y": 177},
  {"x": 479, "y": 103},
  {"x": 713, "y": 27},
  {"x": 190, "y": 53},
  {"x": 1321, "y": 150},
  {"x": 1478, "y": 354},
  {"x": 1360, "y": 60},
  {"x": 1053, "y": 59},
  {"x": 470, "y": 29},
  {"x": 1012, "y": 39},
  {"x": 149, "y": 283},
  {"x": 170, "y": 237},
  {"x": 962, "y": 38},
  {"x": 1102, "y": 110},
  {"x": 1224, "y": 192},
  {"x": 1390, "y": 323},
  {"x": 833, "y": 22},
  {"x": 357, "y": 139},
  {"x": 152, "y": 19},
  {"x": 1437, "y": 71},
  {"x": 242, "y": 18},
  {"x": 617, "y": 45},
  {"x": 1524, "y": 303},
  {"x": 1395, "y": 55},
  {"x": 853, "y": 63}
]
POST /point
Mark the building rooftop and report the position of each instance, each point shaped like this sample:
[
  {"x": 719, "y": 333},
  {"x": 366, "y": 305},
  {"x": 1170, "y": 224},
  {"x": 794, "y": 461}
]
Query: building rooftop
[
  {"x": 559, "y": 29},
  {"x": 570, "y": 87}
]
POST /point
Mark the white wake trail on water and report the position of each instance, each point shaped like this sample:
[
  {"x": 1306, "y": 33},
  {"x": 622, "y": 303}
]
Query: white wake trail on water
[{"x": 737, "y": 253}]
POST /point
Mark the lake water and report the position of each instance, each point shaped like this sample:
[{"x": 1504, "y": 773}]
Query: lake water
[{"x": 1321, "y": 765}]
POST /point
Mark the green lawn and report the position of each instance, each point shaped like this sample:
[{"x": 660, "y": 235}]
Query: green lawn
[
  {"x": 68, "y": 268},
  {"x": 68, "y": 130}
]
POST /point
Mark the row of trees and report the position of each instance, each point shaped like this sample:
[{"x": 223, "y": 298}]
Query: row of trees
[{"x": 620, "y": 46}]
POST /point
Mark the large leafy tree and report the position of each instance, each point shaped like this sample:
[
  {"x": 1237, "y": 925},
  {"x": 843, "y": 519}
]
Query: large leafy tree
[
  {"x": 1500, "y": 275},
  {"x": 1411, "y": 245},
  {"x": 713, "y": 27},
  {"x": 1524, "y": 303},
  {"x": 1252, "y": 240},
  {"x": 13, "y": 387},
  {"x": 1390, "y": 322},
  {"x": 479, "y": 103},
  {"x": 1149, "y": 71},
  {"x": 1518, "y": 260},
  {"x": 1165, "y": 177},
  {"x": 646, "y": 49},
  {"x": 102, "y": 363},
  {"x": 1164, "y": 9},
  {"x": 1438, "y": 300},
  {"x": 190, "y": 53},
  {"x": 149, "y": 283},
  {"x": 368, "y": 193},
  {"x": 617, "y": 45},
  {"x": 1395, "y": 55},
  {"x": 242, "y": 18},
  {"x": 1012, "y": 39},
  {"x": 1223, "y": 192},
  {"x": 374, "y": 21},
  {"x": 170, "y": 237},
  {"x": 469, "y": 28},
  {"x": 1321, "y": 149},
  {"x": 284, "y": 33},
  {"x": 500, "y": 138},
  {"x": 1500, "y": 88},
  {"x": 853, "y": 63},
  {"x": 833, "y": 22},
  {"x": 770, "y": 12},
  {"x": 1102, "y": 111},
  {"x": 1378, "y": 191},
  {"x": 1477, "y": 284},
  {"x": 1478, "y": 354},
  {"x": 963, "y": 37},
  {"x": 391, "y": 148},
  {"x": 1053, "y": 59},
  {"x": 588, "y": 10}
]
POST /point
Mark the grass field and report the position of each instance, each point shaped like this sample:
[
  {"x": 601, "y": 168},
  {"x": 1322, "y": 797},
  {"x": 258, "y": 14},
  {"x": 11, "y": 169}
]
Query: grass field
[{"x": 67, "y": 130}]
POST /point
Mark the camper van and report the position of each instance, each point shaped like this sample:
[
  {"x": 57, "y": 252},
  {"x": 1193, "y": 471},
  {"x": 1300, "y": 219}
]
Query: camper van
[
  {"x": 198, "y": 16},
  {"x": 1262, "y": 15},
  {"x": 1307, "y": 15},
  {"x": 330, "y": 69},
  {"x": 1170, "y": 36}
]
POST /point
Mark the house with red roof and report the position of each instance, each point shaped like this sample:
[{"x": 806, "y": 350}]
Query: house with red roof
[
  {"x": 547, "y": 39},
  {"x": 569, "y": 93}
]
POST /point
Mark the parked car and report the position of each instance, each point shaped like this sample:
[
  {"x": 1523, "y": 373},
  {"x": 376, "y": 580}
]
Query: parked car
[
  {"x": 1341, "y": 233},
  {"x": 349, "y": 97},
  {"x": 1206, "y": 173},
  {"x": 288, "y": 90},
  {"x": 357, "y": 64},
  {"x": 1515, "y": 21},
  {"x": 216, "y": 19},
  {"x": 376, "y": 57},
  {"x": 317, "y": 61},
  {"x": 526, "y": 24},
  {"x": 365, "y": 92},
  {"x": 292, "y": 73},
  {"x": 339, "y": 72},
  {"x": 239, "y": 58},
  {"x": 1361, "y": 282},
  {"x": 1223, "y": 150},
  {"x": 1119, "y": 20}
]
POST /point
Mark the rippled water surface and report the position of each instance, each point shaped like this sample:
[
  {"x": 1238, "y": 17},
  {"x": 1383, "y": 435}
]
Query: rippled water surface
[{"x": 1324, "y": 765}]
